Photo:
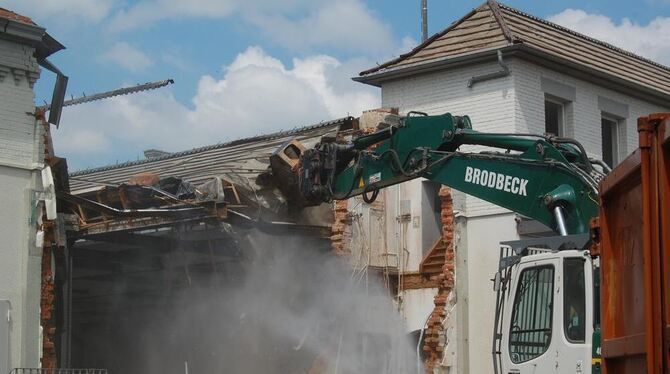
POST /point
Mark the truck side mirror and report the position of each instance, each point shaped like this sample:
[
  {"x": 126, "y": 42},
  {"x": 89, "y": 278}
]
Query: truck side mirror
[{"x": 497, "y": 279}]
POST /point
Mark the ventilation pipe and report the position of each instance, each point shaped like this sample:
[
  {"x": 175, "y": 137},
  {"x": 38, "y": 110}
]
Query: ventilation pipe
[{"x": 424, "y": 20}]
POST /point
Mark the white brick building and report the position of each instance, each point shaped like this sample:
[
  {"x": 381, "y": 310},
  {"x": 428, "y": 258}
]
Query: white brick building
[
  {"x": 22, "y": 44},
  {"x": 548, "y": 79}
]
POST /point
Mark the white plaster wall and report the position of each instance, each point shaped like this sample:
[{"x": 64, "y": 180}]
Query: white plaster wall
[
  {"x": 19, "y": 137},
  {"x": 20, "y": 150},
  {"x": 484, "y": 233},
  {"x": 20, "y": 264},
  {"x": 417, "y": 306},
  {"x": 490, "y": 105},
  {"x": 529, "y": 107}
]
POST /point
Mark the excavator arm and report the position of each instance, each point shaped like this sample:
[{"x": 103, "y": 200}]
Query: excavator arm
[{"x": 546, "y": 178}]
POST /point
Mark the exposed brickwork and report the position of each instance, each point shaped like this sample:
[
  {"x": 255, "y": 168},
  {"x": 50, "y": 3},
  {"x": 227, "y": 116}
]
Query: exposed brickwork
[
  {"x": 47, "y": 298},
  {"x": 341, "y": 229},
  {"x": 435, "y": 340},
  {"x": 47, "y": 290},
  {"x": 413, "y": 281}
]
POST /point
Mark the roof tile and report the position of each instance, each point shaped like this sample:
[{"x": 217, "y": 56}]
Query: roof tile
[
  {"x": 493, "y": 25},
  {"x": 6, "y": 13}
]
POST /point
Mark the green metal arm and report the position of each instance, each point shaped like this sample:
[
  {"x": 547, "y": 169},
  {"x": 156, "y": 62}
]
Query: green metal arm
[{"x": 547, "y": 179}]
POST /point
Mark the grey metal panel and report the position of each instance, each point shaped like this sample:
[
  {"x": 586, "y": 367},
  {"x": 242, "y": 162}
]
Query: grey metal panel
[
  {"x": 239, "y": 160},
  {"x": 4, "y": 336},
  {"x": 559, "y": 90},
  {"x": 612, "y": 107}
]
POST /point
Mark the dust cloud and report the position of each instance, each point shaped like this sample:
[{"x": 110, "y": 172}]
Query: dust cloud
[{"x": 291, "y": 307}]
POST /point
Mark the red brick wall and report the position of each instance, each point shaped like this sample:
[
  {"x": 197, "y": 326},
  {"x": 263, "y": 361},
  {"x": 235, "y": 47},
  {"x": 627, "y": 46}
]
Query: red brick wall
[
  {"x": 341, "y": 230},
  {"x": 434, "y": 338}
]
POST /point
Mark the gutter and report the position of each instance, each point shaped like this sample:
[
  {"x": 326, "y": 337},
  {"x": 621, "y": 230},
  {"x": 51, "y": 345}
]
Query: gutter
[
  {"x": 20, "y": 30},
  {"x": 503, "y": 72},
  {"x": 58, "y": 96},
  {"x": 376, "y": 79},
  {"x": 527, "y": 53}
]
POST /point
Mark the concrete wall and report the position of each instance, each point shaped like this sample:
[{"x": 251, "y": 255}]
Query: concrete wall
[
  {"x": 20, "y": 153},
  {"x": 511, "y": 104}
]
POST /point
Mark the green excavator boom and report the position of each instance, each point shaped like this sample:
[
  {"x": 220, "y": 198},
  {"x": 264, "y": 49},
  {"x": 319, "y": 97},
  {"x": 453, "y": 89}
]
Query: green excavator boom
[{"x": 546, "y": 178}]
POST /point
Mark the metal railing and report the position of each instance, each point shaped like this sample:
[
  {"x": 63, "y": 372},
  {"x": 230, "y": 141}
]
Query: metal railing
[{"x": 56, "y": 371}]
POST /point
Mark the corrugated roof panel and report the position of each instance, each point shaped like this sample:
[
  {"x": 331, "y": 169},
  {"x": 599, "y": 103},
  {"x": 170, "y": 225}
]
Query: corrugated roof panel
[{"x": 244, "y": 157}]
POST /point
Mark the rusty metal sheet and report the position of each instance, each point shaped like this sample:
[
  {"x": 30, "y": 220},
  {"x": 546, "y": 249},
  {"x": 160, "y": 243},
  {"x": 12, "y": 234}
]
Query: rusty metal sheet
[
  {"x": 635, "y": 255},
  {"x": 663, "y": 160}
]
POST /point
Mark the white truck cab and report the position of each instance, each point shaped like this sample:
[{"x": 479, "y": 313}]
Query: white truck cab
[{"x": 544, "y": 308}]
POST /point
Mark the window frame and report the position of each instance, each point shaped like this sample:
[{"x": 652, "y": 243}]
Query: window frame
[
  {"x": 565, "y": 285},
  {"x": 616, "y": 142},
  {"x": 561, "y": 126},
  {"x": 551, "y": 311}
]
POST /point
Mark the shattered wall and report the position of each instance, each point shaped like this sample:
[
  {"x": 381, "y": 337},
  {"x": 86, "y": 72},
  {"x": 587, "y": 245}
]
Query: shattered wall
[{"x": 436, "y": 337}]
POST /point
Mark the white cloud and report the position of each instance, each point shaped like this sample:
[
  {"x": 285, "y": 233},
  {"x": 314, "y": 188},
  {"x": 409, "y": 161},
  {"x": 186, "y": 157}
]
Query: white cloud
[
  {"x": 345, "y": 25},
  {"x": 127, "y": 56},
  {"x": 297, "y": 24},
  {"x": 145, "y": 13},
  {"x": 257, "y": 94},
  {"x": 651, "y": 40},
  {"x": 83, "y": 10}
]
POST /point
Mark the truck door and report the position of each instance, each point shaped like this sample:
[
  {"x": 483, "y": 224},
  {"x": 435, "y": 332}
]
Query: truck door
[
  {"x": 530, "y": 337},
  {"x": 574, "y": 303}
]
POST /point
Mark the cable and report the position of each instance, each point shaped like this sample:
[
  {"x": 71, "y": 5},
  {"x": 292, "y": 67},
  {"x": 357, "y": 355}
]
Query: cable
[{"x": 371, "y": 199}]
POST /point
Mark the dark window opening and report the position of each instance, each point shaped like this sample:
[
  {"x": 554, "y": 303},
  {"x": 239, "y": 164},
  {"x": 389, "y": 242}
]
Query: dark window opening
[
  {"x": 292, "y": 152},
  {"x": 574, "y": 300},
  {"x": 530, "y": 328},
  {"x": 431, "y": 210},
  {"x": 553, "y": 118},
  {"x": 609, "y": 141}
]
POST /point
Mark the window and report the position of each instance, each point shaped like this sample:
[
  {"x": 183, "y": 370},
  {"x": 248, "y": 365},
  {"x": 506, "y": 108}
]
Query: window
[
  {"x": 574, "y": 300},
  {"x": 530, "y": 328},
  {"x": 553, "y": 117},
  {"x": 610, "y": 141}
]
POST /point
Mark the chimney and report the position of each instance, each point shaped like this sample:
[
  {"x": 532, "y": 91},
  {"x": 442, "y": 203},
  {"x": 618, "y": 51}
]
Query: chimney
[{"x": 424, "y": 20}]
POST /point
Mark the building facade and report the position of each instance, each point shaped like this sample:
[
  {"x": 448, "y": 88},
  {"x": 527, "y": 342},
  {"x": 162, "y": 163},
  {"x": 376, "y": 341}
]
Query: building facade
[
  {"x": 510, "y": 72},
  {"x": 22, "y": 152}
]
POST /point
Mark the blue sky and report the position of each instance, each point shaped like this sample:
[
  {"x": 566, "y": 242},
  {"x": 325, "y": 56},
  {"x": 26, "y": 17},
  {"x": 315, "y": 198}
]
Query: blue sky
[{"x": 246, "y": 67}]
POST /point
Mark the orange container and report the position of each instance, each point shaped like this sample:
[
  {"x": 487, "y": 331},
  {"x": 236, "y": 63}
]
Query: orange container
[{"x": 634, "y": 248}]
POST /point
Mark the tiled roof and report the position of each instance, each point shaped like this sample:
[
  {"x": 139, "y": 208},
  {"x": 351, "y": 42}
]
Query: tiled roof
[
  {"x": 5, "y": 13},
  {"x": 494, "y": 26}
]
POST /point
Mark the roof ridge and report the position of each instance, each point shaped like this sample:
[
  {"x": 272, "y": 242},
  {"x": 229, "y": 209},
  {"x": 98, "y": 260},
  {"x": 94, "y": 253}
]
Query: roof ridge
[
  {"x": 425, "y": 43},
  {"x": 583, "y": 36},
  {"x": 191, "y": 151},
  {"x": 495, "y": 9}
]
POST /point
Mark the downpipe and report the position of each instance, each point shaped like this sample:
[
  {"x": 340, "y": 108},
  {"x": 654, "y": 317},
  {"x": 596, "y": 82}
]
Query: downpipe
[{"x": 503, "y": 72}]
